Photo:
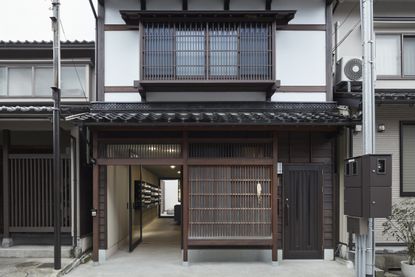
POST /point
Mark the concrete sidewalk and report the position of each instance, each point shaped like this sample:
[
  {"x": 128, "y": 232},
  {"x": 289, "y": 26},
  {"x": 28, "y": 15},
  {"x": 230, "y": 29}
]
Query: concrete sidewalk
[
  {"x": 160, "y": 255},
  {"x": 121, "y": 265},
  {"x": 30, "y": 267}
]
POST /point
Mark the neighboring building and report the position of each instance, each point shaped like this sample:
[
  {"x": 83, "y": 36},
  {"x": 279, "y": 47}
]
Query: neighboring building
[
  {"x": 223, "y": 90},
  {"x": 394, "y": 23},
  {"x": 26, "y": 210}
]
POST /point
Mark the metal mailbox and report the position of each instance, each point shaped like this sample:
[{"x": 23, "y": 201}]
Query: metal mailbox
[{"x": 368, "y": 186}]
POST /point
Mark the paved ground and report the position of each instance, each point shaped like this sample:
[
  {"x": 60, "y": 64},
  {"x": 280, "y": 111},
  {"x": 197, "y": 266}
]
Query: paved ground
[
  {"x": 160, "y": 255},
  {"x": 16, "y": 267}
]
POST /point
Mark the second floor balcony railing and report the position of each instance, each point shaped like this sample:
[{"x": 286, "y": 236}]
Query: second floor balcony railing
[{"x": 197, "y": 51}]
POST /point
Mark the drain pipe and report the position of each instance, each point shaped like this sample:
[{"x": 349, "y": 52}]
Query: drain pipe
[{"x": 74, "y": 192}]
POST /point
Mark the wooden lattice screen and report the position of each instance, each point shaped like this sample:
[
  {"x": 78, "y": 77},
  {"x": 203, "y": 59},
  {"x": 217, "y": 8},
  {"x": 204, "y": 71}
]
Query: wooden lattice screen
[
  {"x": 31, "y": 193},
  {"x": 224, "y": 203}
]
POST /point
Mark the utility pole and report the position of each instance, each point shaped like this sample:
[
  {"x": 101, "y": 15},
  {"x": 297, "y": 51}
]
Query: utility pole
[
  {"x": 56, "y": 135},
  {"x": 367, "y": 242}
]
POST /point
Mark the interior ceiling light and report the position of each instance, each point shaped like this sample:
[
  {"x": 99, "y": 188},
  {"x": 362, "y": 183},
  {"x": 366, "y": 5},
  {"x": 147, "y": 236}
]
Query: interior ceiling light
[
  {"x": 178, "y": 172},
  {"x": 172, "y": 166}
]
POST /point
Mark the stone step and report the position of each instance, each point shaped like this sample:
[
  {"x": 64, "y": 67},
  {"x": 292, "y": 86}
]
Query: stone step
[{"x": 33, "y": 251}]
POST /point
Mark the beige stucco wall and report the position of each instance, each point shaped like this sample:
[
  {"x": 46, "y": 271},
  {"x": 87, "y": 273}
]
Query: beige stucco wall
[{"x": 388, "y": 143}]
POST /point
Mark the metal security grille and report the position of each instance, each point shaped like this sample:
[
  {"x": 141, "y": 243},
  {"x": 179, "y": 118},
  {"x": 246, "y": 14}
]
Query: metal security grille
[
  {"x": 230, "y": 150},
  {"x": 143, "y": 151},
  {"x": 225, "y": 204},
  {"x": 31, "y": 193},
  {"x": 207, "y": 50}
]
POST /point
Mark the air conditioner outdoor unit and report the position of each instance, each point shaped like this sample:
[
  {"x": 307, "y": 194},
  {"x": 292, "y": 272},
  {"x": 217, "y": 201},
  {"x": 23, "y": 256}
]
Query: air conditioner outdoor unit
[{"x": 349, "y": 70}]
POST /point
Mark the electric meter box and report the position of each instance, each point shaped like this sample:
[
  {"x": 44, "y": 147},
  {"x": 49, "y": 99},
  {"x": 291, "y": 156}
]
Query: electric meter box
[{"x": 368, "y": 186}]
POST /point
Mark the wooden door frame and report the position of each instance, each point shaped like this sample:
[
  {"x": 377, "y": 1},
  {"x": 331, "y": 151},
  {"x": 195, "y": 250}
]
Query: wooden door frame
[
  {"x": 185, "y": 162},
  {"x": 320, "y": 166}
]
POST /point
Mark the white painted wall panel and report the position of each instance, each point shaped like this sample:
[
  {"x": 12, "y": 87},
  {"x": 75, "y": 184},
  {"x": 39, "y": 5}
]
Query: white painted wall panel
[
  {"x": 298, "y": 97},
  {"x": 395, "y": 84},
  {"x": 113, "y": 7},
  {"x": 121, "y": 58},
  {"x": 308, "y": 11},
  {"x": 301, "y": 58},
  {"x": 164, "y": 5},
  {"x": 205, "y": 5},
  {"x": 388, "y": 143},
  {"x": 122, "y": 97},
  {"x": 247, "y": 5},
  {"x": 205, "y": 96}
]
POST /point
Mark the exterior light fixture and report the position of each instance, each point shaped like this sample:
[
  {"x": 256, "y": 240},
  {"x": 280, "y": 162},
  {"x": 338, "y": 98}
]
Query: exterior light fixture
[
  {"x": 172, "y": 166},
  {"x": 358, "y": 128},
  {"x": 381, "y": 128}
]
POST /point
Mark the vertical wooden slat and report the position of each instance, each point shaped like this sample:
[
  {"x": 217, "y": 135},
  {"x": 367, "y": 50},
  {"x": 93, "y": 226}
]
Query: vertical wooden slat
[
  {"x": 274, "y": 199},
  {"x": 186, "y": 196}
]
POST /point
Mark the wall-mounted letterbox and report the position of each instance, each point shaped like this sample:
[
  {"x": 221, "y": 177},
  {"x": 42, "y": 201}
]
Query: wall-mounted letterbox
[{"x": 368, "y": 186}]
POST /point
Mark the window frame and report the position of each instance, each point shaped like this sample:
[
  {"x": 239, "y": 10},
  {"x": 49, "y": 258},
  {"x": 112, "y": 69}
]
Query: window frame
[
  {"x": 403, "y": 193},
  {"x": 44, "y": 64},
  {"x": 207, "y": 76},
  {"x": 402, "y": 75}
]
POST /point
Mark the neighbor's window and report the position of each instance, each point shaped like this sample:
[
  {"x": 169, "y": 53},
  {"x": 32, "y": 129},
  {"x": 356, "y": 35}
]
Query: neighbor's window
[
  {"x": 36, "y": 81},
  {"x": 208, "y": 50},
  {"x": 407, "y": 159},
  {"x": 395, "y": 55}
]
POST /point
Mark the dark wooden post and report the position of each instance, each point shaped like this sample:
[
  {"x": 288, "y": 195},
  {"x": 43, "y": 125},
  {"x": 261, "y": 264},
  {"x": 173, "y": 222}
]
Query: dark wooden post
[
  {"x": 274, "y": 201},
  {"x": 95, "y": 199},
  {"x": 185, "y": 203},
  {"x": 7, "y": 240}
]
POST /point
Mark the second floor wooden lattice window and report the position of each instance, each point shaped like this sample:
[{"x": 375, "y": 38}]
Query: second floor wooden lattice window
[{"x": 207, "y": 51}]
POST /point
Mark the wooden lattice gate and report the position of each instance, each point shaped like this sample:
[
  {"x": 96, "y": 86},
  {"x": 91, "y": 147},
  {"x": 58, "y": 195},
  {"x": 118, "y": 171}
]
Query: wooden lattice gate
[
  {"x": 230, "y": 202},
  {"x": 31, "y": 193}
]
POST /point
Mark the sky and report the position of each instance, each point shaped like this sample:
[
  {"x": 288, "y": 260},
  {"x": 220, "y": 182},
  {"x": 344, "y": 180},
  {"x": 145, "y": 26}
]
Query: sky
[{"x": 30, "y": 20}]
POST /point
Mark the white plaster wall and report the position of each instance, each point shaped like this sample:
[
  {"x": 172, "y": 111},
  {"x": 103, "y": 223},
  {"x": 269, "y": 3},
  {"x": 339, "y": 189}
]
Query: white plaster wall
[
  {"x": 122, "y": 97},
  {"x": 117, "y": 212},
  {"x": 388, "y": 143},
  {"x": 308, "y": 11},
  {"x": 247, "y": 5},
  {"x": 122, "y": 61},
  {"x": 113, "y": 7},
  {"x": 301, "y": 58},
  {"x": 205, "y": 5},
  {"x": 299, "y": 97},
  {"x": 164, "y": 5}
]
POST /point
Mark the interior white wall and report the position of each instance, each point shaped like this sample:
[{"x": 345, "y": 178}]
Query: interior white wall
[
  {"x": 122, "y": 60},
  {"x": 170, "y": 194},
  {"x": 308, "y": 12},
  {"x": 117, "y": 212},
  {"x": 113, "y": 7},
  {"x": 301, "y": 58}
]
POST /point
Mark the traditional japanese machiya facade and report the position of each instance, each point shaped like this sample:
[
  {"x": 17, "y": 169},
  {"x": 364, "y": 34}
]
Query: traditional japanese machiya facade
[
  {"x": 26, "y": 216},
  {"x": 395, "y": 67},
  {"x": 225, "y": 91}
]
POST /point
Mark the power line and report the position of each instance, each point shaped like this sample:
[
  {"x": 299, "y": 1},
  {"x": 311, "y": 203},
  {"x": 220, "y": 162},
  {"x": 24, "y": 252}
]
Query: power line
[
  {"x": 348, "y": 15},
  {"x": 74, "y": 66},
  {"x": 347, "y": 35}
]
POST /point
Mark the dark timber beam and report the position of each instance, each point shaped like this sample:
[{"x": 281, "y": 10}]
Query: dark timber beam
[
  {"x": 7, "y": 240},
  {"x": 226, "y": 5},
  {"x": 268, "y": 5},
  {"x": 143, "y": 5},
  {"x": 184, "y": 5}
]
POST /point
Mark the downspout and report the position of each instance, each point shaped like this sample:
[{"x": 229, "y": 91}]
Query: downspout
[{"x": 75, "y": 192}]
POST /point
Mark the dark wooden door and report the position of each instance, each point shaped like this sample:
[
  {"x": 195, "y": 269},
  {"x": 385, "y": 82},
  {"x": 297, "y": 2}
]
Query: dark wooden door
[{"x": 302, "y": 211}]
